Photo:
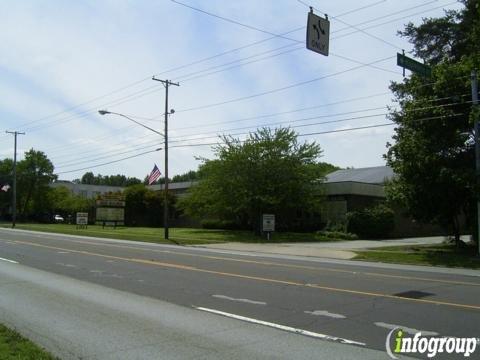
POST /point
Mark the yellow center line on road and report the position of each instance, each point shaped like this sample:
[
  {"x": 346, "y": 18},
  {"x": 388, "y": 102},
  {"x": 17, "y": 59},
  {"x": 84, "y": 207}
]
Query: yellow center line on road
[
  {"x": 271, "y": 263},
  {"x": 256, "y": 278}
]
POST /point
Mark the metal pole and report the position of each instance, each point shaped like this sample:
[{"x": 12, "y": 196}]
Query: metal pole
[
  {"x": 477, "y": 146},
  {"x": 165, "y": 206},
  {"x": 14, "y": 182},
  {"x": 166, "y": 83},
  {"x": 14, "y": 199}
]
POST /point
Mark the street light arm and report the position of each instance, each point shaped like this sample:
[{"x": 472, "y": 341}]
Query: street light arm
[{"x": 105, "y": 112}]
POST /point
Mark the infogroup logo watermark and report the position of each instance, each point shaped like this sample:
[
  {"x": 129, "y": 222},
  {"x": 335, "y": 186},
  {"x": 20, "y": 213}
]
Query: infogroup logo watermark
[{"x": 397, "y": 343}]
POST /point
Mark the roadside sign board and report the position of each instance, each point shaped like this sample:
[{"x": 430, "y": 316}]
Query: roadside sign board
[
  {"x": 82, "y": 218},
  {"x": 268, "y": 223},
  {"x": 413, "y": 65},
  {"x": 110, "y": 214},
  {"x": 318, "y": 33},
  {"x": 110, "y": 208},
  {"x": 110, "y": 203}
]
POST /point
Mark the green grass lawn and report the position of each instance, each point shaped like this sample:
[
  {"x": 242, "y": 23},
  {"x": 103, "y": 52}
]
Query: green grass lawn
[
  {"x": 185, "y": 236},
  {"x": 15, "y": 347},
  {"x": 436, "y": 255}
]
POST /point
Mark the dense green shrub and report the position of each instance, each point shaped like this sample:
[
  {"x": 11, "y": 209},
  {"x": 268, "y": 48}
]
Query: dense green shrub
[{"x": 376, "y": 222}]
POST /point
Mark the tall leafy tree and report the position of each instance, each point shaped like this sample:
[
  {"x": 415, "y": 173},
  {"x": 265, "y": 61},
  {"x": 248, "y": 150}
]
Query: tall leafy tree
[
  {"x": 34, "y": 174},
  {"x": 111, "y": 180},
  {"x": 433, "y": 149},
  {"x": 270, "y": 172},
  {"x": 144, "y": 207}
]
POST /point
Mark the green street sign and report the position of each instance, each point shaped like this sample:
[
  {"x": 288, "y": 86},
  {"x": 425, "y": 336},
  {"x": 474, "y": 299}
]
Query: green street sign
[{"x": 413, "y": 65}]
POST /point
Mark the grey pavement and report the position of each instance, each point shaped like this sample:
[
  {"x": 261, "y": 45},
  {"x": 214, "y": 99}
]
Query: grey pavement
[
  {"x": 344, "y": 299},
  {"x": 79, "y": 320},
  {"x": 333, "y": 249}
]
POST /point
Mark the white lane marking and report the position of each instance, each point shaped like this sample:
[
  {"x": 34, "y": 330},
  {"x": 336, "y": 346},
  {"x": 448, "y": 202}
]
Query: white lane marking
[
  {"x": 239, "y": 300},
  {"x": 63, "y": 252},
  {"x": 96, "y": 271},
  {"x": 110, "y": 261},
  {"x": 325, "y": 313},
  {"x": 10, "y": 261},
  {"x": 66, "y": 265},
  {"x": 282, "y": 327},
  {"x": 405, "y": 329}
]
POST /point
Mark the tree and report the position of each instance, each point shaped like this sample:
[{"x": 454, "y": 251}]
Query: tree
[
  {"x": 433, "y": 152},
  {"x": 270, "y": 172},
  {"x": 110, "y": 180},
  {"x": 63, "y": 201},
  {"x": 191, "y": 175},
  {"x": 144, "y": 207},
  {"x": 34, "y": 174}
]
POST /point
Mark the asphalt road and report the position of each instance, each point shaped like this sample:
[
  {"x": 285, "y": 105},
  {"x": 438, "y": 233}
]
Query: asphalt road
[{"x": 357, "y": 305}]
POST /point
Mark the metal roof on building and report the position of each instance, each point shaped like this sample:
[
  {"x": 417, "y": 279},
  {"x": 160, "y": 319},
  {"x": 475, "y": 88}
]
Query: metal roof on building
[{"x": 370, "y": 175}]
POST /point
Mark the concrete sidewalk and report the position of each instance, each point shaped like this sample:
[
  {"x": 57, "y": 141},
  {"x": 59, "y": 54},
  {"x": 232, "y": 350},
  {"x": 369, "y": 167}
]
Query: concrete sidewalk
[{"x": 334, "y": 250}]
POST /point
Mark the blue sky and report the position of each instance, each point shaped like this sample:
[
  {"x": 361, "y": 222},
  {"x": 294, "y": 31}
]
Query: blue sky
[{"x": 64, "y": 60}]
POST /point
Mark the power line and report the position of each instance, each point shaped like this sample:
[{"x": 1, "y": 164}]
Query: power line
[
  {"x": 226, "y": 122},
  {"x": 349, "y": 59},
  {"x": 183, "y": 138},
  {"x": 268, "y": 32},
  {"x": 300, "y": 135},
  {"x": 108, "y": 163},
  {"x": 281, "y": 88},
  {"x": 293, "y": 111},
  {"x": 361, "y": 8},
  {"x": 237, "y": 49},
  {"x": 356, "y": 28},
  {"x": 87, "y": 159},
  {"x": 394, "y": 20}
]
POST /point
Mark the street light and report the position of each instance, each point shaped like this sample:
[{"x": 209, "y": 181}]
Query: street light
[{"x": 105, "y": 112}]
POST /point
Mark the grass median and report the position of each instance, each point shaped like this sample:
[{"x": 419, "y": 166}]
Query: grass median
[
  {"x": 184, "y": 236},
  {"x": 446, "y": 255},
  {"x": 14, "y": 347}
]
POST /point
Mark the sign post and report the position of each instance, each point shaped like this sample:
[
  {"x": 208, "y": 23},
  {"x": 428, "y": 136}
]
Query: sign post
[
  {"x": 110, "y": 209},
  {"x": 82, "y": 220},
  {"x": 268, "y": 224},
  {"x": 318, "y": 33},
  {"x": 413, "y": 66}
]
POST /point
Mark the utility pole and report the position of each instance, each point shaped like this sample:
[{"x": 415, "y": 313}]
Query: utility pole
[
  {"x": 477, "y": 146},
  {"x": 166, "y": 83},
  {"x": 14, "y": 185}
]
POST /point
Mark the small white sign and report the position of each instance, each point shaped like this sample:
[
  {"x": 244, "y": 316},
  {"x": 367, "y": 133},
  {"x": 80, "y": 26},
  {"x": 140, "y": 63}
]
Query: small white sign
[
  {"x": 268, "y": 223},
  {"x": 318, "y": 34},
  {"x": 82, "y": 218}
]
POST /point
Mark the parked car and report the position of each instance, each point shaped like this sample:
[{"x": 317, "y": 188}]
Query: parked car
[{"x": 58, "y": 218}]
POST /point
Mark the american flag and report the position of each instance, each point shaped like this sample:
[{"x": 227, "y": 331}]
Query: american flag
[{"x": 154, "y": 175}]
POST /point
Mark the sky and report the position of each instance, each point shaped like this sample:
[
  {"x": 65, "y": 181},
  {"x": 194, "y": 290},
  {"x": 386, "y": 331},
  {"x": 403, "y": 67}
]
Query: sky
[{"x": 240, "y": 65}]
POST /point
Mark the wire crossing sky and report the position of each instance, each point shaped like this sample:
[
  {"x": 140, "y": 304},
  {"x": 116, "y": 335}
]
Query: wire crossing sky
[{"x": 241, "y": 65}]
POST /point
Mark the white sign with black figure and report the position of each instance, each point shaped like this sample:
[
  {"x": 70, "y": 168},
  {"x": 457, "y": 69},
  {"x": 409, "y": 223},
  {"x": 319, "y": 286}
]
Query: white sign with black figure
[{"x": 318, "y": 33}]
